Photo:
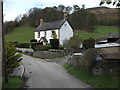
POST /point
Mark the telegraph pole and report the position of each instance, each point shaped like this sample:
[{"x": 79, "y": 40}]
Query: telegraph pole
[{"x": 2, "y": 47}]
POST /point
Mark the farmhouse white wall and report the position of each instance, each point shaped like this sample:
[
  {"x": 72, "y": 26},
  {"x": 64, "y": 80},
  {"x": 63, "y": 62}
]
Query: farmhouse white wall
[
  {"x": 66, "y": 32},
  {"x": 36, "y": 36},
  {"x": 48, "y": 35}
]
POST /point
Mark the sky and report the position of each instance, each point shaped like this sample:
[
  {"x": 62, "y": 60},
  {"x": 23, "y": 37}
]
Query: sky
[{"x": 13, "y": 8}]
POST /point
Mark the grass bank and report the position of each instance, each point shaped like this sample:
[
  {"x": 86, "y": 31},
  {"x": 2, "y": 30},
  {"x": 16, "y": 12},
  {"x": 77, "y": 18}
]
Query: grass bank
[
  {"x": 93, "y": 80},
  {"x": 25, "y": 34},
  {"x": 100, "y": 32},
  {"x": 20, "y": 34},
  {"x": 14, "y": 82}
]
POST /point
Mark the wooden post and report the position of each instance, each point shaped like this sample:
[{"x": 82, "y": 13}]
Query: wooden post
[
  {"x": 2, "y": 47},
  {"x": 0, "y": 50}
]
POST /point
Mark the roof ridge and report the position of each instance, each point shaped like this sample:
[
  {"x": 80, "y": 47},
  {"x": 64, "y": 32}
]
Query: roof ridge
[{"x": 54, "y": 21}]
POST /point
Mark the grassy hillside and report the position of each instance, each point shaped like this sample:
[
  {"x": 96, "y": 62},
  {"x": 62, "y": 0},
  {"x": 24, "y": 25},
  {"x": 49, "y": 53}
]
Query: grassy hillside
[
  {"x": 25, "y": 34},
  {"x": 20, "y": 34},
  {"x": 100, "y": 32}
]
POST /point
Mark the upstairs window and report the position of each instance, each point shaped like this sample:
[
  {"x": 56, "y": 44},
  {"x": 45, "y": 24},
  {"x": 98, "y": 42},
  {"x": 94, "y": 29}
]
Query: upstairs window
[
  {"x": 53, "y": 32},
  {"x": 54, "y": 35},
  {"x": 45, "y": 34},
  {"x": 38, "y": 34}
]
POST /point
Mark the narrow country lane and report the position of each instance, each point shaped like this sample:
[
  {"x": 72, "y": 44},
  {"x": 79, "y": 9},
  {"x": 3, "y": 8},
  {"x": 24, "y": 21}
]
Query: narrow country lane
[{"x": 43, "y": 74}]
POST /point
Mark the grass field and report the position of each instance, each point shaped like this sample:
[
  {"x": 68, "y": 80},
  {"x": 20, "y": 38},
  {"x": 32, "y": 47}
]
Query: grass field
[
  {"x": 21, "y": 34},
  {"x": 25, "y": 34},
  {"x": 100, "y": 32},
  {"x": 14, "y": 82}
]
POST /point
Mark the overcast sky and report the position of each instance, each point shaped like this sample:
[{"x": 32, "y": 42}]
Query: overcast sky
[{"x": 13, "y": 8}]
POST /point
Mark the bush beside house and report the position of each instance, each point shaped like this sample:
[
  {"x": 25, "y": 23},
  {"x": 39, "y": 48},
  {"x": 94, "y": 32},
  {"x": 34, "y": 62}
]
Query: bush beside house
[
  {"x": 88, "y": 43},
  {"x": 84, "y": 62},
  {"x": 72, "y": 45}
]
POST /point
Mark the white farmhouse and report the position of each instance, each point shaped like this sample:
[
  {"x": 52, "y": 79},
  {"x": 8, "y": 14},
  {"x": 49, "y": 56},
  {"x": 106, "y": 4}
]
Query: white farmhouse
[{"x": 61, "y": 28}]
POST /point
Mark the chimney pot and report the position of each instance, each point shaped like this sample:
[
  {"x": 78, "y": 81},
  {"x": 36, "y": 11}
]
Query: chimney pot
[
  {"x": 41, "y": 21},
  {"x": 65, "y": 16}
]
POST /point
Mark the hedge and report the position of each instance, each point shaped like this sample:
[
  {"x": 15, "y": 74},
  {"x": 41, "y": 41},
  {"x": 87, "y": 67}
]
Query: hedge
[
  {"x": 42, "y": 48},
  {"x": 22, "y": 45},
  {"x": 89, "y": 43}
]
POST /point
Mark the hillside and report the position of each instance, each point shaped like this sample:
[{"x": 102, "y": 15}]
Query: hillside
[
  {"x": 25, "y": 34},
  {"x": 100, "y": 32},
  {"x": 20, "y": 34},
  {"x": 102, "y": 10},
  {"x": 105, "y": 15}
]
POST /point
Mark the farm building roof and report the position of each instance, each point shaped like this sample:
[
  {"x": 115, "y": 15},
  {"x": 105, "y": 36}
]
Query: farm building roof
[{"x": 50, "y": 25}]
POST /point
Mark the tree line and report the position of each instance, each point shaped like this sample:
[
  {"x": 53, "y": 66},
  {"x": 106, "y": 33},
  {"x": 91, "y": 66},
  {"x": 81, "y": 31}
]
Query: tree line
[{"x": 79, "y": 18}]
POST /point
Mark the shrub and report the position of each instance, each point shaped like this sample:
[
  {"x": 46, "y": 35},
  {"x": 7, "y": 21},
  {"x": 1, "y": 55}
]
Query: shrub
[
  {"x": 23, "y": 45},
  {"x": 85, "y": 62},
  {"x": 33, "y": 40},
  {"x": 54, "y": 43},
  {"x": 72, "y": 45},
  {"x": 13, "y": 59},
  {"x": 88, "y": 43},
  {"x": 41, "y": 48},
  {"x": 13, "y": 42},
  {"x": 74, "y": 42},
  {"x": 33, "y": 45}
]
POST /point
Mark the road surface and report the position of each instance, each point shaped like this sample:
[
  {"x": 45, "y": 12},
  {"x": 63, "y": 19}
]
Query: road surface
[{"x": 43, "y": 74}]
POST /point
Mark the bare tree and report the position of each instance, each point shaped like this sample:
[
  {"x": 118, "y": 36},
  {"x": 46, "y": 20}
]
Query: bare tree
[
  {"x": 68, "y": 9},
  {"x": 115, "y": 2},
  {"x": 61, "y": 8},
  {"x": 76, "y": 8}
]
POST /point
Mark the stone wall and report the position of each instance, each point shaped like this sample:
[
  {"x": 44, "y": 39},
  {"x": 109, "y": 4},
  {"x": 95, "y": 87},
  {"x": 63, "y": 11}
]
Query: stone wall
[
  {"x": 48, "y": 54},
  {"x": 110, "y": 52},
  {"x": 87, "y": 62}
]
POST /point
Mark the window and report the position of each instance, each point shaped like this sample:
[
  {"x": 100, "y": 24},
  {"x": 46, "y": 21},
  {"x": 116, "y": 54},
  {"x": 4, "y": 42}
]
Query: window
[
  {"x": 53, "y": 32},
  {"x": 54, "y": 35},
  {"x": 38, "y": 34},
  {"x": 45, "y": 34},
  {"x": 65, "y": 24}
]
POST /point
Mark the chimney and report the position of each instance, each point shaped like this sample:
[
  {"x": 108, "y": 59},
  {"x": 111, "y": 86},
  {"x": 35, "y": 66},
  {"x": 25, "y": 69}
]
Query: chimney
[
  {"x": 65, "y": 16},
  {"x": 41, "y": 21}
]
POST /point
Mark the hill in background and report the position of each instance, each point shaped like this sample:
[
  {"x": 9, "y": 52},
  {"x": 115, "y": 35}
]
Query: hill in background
[{"x": 105, "y": 15}]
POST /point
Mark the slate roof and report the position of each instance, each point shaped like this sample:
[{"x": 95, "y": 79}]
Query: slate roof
[
  {"x": 113, "y": 35},
  {"x": 50, "y": 25},
  {"x": 44, "y": 39}
]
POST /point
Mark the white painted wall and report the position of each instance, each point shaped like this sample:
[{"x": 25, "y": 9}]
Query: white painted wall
[
  {"x": 36, "y": 36},
  {"x": 66, "y": 32},
  {"x": 48, "y": 35}
]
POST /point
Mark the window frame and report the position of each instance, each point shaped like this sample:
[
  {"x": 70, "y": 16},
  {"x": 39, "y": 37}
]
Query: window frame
[
  {"x": 45, "y": 33},
  {"x": 38, "y": 34}
]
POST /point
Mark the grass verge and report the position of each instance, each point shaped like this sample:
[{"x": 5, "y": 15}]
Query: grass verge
[
  {"x": 93, "y": 80},
  {"x": 14, "y": 82}
]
